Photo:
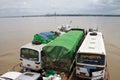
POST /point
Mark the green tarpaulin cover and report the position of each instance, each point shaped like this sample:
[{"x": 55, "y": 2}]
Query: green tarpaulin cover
[
  {"x": 62, "y": 49},
  {"x": 50, "y": 73}
]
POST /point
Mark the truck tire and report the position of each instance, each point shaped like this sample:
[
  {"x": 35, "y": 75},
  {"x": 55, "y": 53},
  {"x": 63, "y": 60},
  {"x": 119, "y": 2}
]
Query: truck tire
[{"x": 36, "y": 42}]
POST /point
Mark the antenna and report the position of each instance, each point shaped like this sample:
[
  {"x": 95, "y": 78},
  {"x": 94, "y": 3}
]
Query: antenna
[
  {"x": 70, "y": 22},
  {"x": 55, "y": 18}
]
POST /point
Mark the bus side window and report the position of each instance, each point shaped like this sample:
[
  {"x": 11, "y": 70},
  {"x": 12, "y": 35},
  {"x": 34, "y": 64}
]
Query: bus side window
[{"x": 42, "y": 54}]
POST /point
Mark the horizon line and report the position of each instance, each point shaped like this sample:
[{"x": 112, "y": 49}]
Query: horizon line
[{"x": 50, "y": 15}]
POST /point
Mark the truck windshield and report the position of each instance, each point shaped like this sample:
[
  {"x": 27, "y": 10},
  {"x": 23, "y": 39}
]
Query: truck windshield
[
  {"x": 29, "y": 54},
  {"x": 93, "y": 59}
]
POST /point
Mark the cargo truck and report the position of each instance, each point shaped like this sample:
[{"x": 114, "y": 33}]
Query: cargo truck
[{"x": 59, "y": 54}]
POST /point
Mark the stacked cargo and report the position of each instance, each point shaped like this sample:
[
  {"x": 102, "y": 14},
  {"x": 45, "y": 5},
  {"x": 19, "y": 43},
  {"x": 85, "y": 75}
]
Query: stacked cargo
[{"x": 44, "y": 37}]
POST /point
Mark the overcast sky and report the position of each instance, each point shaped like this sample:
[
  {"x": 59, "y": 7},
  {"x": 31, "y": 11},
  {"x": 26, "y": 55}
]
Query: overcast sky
[{"x": 38, "y": 7}]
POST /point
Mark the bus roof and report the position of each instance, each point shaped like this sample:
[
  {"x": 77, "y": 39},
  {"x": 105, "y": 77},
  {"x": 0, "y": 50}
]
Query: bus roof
[
  {"x": 33, "y": 46},
  {"x": 93, "y": 43},
  {"x": 28, "y": 76}
]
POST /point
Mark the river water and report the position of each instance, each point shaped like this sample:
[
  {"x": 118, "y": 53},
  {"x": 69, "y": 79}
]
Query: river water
[{"x": 15, "y": 32}]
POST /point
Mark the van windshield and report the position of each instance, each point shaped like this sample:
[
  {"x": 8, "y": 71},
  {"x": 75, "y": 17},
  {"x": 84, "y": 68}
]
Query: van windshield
[
  {"x": 5, "y": 78},
  {"x": 29, "y": 54},
  {"x": 93, "y": 59}
]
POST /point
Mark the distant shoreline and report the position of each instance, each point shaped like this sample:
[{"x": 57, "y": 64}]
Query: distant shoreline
[
  {"x": 82, "y": 15},
  {"x": 53, "y": 15}
]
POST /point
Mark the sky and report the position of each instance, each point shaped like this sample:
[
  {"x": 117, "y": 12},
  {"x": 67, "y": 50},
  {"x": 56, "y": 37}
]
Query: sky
[{"x": 41, "y": 7}]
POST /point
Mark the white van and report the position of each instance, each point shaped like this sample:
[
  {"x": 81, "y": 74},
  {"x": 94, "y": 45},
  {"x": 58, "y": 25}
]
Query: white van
[{"x": 91, "y": 57}]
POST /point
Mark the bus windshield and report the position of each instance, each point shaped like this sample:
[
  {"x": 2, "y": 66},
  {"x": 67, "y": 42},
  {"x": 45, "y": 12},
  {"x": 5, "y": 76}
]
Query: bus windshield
[
  {"x": 93, "y": 59},
  {"x": 29, "y": 54}
]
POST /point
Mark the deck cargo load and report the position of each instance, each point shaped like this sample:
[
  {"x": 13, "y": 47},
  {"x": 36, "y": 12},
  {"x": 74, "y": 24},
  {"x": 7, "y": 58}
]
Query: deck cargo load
[
  {"x": 44, "y": 37},
  {"x": 60, "y": 53}
]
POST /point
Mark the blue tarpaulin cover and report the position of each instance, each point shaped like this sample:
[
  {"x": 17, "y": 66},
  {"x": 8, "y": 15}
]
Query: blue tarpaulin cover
[{"x": 44, "y": 37}]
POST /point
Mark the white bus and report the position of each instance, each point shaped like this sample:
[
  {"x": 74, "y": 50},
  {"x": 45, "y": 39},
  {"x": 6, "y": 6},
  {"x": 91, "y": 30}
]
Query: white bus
[{"x": 91, "y": 57}]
